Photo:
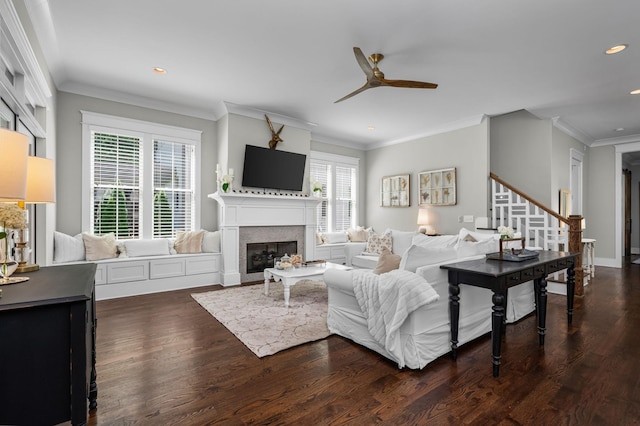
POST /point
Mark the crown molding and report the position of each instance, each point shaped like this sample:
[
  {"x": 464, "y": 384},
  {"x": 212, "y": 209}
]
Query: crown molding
[
  {"x": 571, "y": 131},
  {"x": 617, "y": 141},
  {"x": 259, "y": 114},
  {"x": 135, "y": 100},
  {"x": 445, "y": 128}
]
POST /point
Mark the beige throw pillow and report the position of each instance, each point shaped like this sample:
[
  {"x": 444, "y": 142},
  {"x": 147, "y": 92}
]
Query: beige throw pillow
[
  {"x": 189, "y": 241},
  {"x": 359, "y": 234},
  {"x": 100, "y": 247},
  {"x": 387, "y": 262}
]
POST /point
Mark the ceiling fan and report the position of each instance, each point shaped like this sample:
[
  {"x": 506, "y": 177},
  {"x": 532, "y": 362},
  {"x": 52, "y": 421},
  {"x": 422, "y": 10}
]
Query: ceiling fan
[{"x": 375, "y": 77}]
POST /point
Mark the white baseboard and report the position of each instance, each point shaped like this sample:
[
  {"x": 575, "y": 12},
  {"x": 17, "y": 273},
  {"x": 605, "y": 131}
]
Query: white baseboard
[{"x": 635, "y": 250}]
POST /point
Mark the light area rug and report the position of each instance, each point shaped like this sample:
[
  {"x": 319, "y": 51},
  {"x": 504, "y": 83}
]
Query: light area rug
[
  {"x": 263, "y": 323},
  {"x": 637, "y": 261}
]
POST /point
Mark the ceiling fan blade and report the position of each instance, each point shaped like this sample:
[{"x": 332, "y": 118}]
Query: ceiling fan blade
[
  {"x": 408, "y": 84},
  {"x": 363, "y": 62},
  {"x": 355, "y": 92}
]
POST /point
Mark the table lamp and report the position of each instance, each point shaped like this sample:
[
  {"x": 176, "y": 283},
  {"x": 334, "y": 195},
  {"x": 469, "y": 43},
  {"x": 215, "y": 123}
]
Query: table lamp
[
  {"x": 423, "y": 220},
  {"x": 13, "y": 173},
  {"x": 41, "y": 189}
]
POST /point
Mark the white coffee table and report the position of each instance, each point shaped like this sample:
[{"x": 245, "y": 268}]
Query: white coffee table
[{"x": 291, "y": 276}]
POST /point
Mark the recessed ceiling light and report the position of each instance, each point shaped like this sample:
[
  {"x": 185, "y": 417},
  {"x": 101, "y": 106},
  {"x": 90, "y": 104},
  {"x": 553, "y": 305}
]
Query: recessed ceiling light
[
  {"x": 159, "y": 70},
  {"x": 635, "y": 92},
  {"x": 620, "y": 129},
  {"x": 370, "y": 128},
  {"x": 616, "y": 49}
]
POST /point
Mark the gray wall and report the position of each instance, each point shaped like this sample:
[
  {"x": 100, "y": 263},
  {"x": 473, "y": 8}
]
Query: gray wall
[
  {"x": 600, "y": 206},
  {"x": 521, "y": 153},
  {"x": 466, "y": 149},
  {"x": 69, "y": 154}
]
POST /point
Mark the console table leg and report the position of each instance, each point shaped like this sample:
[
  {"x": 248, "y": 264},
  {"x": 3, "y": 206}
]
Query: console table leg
[
  {"x": 571, "y": 286},
  {"x": 497, "y": 317},
  {"x": 541, "y": 309},
  {"x": 454, "y": 317}
]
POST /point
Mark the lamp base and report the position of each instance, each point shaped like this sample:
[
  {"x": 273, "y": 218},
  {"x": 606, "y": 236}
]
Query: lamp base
[{"x": 27, "y": 268}]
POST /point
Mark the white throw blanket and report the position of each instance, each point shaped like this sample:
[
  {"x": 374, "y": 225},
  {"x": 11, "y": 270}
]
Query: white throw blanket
[{"x": 387, "y": 300}]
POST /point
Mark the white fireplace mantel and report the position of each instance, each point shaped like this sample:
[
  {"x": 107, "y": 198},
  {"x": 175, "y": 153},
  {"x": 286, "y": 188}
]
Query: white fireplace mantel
[{"x": 238, "y": 209}]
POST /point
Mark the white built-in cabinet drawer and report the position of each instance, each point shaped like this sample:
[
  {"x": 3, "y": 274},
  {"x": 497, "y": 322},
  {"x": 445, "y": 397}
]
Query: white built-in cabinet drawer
[
  {"x": 166, "y": 268},
  {"x": 120, "y": 272},
  {"x": 202, "y": 265}
]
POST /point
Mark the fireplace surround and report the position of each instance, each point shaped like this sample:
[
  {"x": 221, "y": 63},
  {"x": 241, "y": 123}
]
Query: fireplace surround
[{"x": 246, "y": 209}]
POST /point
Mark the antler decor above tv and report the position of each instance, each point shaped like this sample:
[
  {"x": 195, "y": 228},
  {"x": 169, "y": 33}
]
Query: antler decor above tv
[{"x": 275, "y": 136}]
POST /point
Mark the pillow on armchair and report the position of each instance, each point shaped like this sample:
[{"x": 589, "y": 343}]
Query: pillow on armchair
[
  {"x": 376, "y": 243},
  {"x": 386, "y": 262}
]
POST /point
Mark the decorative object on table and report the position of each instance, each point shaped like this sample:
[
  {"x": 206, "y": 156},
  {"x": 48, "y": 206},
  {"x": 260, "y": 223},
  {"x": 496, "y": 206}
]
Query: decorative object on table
[
  {"x": 423, "y": 221},
  {"x": 11, "y": 217},
  {"x": 225, "y": 181},
  {"x": 506, "y": 232},
  {"x": 285, "y": 262},
  {"x": 437, "y": 187},
  {"x": 394, "y": 191},
  {"x": 41, "y": 189},
  {"x": 316, "y": 187},
  {"x": 264, "y": 324},
  {"x": 296, "y": 260},
  {"x": 512, "y": 254},
  {"x": 275, "y": 136}
]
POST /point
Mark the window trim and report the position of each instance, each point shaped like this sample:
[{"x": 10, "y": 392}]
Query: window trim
[
  {"x": 345, "y": 161},
  {"x": 148, "y": 132}
]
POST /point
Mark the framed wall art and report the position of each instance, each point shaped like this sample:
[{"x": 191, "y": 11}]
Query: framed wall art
[
  {"x": 394, "y": 191},
  {"x": 437, "y": 187}
]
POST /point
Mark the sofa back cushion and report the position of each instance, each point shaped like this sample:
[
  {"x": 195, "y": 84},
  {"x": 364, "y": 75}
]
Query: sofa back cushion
[
  {"x": 401, "y": 240},
  {"x": 189, "y": 241},
  {"x": 67, "y": 248},
  {"x": 100, "y": 247},
  {"x": 335, "y": 237},
  {"x": 137, "y": 248},
  {"x": 435, "y": 241},
  {"x": 211, "y": 242},
  {"x": 417, "y": 256}
]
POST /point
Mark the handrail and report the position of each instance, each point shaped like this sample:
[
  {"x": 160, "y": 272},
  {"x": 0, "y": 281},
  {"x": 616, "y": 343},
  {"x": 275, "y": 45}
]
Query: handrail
[
  {"x": 574, "y": 222},
  {"x": 528, "y": 198}
]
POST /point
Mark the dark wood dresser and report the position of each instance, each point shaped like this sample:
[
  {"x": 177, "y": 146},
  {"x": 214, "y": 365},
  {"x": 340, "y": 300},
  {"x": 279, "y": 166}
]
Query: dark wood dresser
[{"x": 47, "y": 347}]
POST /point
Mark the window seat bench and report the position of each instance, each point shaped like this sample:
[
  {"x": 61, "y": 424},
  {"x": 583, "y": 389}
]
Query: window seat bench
[{"x": 131, "y": 276}]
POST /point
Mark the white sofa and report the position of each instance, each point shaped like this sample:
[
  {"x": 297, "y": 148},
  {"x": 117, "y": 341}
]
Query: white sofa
[
  {"x": 425, "y": 335},
  {"x": 144, "y": 268}
]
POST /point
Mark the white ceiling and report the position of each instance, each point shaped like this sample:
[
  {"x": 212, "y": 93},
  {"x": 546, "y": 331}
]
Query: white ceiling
[{"x": 295, "y": 58}]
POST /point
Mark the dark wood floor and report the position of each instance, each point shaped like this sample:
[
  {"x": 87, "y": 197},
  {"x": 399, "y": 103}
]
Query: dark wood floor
[{"x": 163, "y": 360}]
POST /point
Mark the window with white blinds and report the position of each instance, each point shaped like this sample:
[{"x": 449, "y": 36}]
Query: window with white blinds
[
  {"x": 116, "y": 181},
  {"x": 141, "y": 179},
  {"x": 338, "y": 175},
  {"x": 173, "y": 182}
]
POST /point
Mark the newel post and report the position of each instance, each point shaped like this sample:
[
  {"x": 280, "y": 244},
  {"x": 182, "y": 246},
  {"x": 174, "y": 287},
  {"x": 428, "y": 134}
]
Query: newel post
[{"x": 575, "y": 246}]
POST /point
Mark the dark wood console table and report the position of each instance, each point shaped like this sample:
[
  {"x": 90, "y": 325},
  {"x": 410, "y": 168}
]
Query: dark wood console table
[
  {"x": 498, "y": 276},
  {"x": 47, "y": 347}
]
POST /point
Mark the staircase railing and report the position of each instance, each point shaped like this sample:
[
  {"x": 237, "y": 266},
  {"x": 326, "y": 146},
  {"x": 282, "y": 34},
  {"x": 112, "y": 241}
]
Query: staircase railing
[{"x": 539, "y": 225}]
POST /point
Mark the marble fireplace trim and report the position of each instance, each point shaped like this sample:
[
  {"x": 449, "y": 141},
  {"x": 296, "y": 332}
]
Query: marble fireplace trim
[
  {"x": 246, "y": 209},
  {"x": 266, "y": 234}
]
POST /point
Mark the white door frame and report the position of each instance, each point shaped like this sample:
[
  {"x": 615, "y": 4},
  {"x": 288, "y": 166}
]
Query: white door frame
[
  {"x": 576, "y": 181},
  {"x": 620, "y": 149}
]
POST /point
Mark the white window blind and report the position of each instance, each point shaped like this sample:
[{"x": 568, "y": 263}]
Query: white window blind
[
  {"x": 338, "y": 175},
  {"x": 173, "y": 188},
  {"x": 140, "y": 179},
  {"x": 116, "y": 184}
]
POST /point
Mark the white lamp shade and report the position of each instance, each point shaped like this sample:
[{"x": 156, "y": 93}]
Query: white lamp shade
[
  {"x": 423, "y": 217},
  {"x": 14, "y": 149},
  {"x": 41, "y": 181}
]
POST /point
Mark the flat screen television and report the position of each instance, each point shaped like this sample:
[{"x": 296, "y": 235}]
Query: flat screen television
[{"x": 273, "y": 169}]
